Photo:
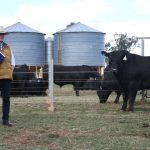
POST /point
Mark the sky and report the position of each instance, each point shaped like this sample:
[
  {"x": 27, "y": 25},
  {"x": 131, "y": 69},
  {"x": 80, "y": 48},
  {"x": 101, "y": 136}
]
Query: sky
[{"x": 108, "y": 16}]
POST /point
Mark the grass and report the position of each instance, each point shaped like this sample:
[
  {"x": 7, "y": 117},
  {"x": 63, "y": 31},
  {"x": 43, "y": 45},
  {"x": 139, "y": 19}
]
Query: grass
[{"x": 79, "y": 123}]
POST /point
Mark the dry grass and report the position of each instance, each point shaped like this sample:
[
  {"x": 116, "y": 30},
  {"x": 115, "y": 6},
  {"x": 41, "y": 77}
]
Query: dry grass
[{"x": 79, "y": 123}]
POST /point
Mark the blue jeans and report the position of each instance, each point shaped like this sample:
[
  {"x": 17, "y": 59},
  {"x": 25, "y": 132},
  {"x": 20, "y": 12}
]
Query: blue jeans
[{"x": 5, "y": 87}]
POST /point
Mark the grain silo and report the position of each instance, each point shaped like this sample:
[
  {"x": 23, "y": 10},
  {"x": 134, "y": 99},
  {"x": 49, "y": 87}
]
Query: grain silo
[
  {"x": 27, "y": 44},
  {"x": 78, "y": 44}
]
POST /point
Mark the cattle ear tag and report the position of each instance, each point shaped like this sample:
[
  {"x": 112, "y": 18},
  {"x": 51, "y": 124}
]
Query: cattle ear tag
[{"x": 125, "y": 58}]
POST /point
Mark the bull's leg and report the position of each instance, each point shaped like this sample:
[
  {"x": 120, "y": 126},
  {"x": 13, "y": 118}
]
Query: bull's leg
[
  {"x": 77, "y": 86},
  {"x": 25, "y": 88},
  {"x": 118, "y": 96},
  {"x": 132, "y": 96},
  {"x": 77, "y": 92},
  {"x": 125, "y": 101},
  {"x": 133, "y": 88}
]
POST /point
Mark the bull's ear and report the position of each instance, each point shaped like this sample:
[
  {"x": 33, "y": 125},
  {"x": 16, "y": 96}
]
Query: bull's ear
[{"x": 104, "y": 53}]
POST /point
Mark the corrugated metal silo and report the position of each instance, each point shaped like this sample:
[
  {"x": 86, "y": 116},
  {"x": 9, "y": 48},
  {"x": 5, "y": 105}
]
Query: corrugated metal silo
[
  {"x": 78, "y": 44},
  {"x": 27, "y": 44}
]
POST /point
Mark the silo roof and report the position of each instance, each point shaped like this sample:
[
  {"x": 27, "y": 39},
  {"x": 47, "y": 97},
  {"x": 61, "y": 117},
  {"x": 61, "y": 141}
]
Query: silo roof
[
  {"x": 19, "y": 27},
  {"x": 79, "y": 27}
]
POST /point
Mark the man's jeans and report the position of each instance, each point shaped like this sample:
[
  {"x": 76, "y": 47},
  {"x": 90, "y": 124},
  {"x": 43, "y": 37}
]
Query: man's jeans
[{"x": 5, "y": 87}]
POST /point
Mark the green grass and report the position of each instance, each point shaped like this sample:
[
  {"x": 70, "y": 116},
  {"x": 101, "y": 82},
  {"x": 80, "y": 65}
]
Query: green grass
[{"x": 79, "y": 123}]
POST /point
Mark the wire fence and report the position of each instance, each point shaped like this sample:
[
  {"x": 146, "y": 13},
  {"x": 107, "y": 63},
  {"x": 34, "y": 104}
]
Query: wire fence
[
  {"x": 31, "y": 85},
  {"x": 35, "y": 84}
]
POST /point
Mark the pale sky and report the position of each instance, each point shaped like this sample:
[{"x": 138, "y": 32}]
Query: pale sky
[{"x": 109, "y": 16}]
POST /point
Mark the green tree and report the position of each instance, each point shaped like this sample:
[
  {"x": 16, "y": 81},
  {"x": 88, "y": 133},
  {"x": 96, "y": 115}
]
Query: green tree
[{"x": 121, "y": 42}]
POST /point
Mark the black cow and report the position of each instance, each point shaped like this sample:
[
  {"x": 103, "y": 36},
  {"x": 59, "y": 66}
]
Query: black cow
[
  {"x": 21, "y": 77},
  {"x": 108, "y": 85},
  {"x": 132, "y": 72},
  {"x": 25, "y": 83},
  {"x": 74, "y": 75}
]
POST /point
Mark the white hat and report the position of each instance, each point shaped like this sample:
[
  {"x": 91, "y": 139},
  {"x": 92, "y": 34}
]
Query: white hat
[{"x": 2, "y": 30}]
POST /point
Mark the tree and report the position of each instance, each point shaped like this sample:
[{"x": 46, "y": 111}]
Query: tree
[{"x": 121, "y": 42}]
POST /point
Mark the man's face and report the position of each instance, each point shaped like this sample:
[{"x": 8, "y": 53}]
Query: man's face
[{"x": 1, "y": 37}]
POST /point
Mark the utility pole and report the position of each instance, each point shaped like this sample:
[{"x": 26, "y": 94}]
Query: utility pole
[{"x": 144, "y": 92}]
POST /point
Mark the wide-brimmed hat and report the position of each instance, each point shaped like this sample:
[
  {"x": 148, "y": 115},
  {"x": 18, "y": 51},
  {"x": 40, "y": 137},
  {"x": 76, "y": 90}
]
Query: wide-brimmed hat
[{"x": 2, "y": 30}]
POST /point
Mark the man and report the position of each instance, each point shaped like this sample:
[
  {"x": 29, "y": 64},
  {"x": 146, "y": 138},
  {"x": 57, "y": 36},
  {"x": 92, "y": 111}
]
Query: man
[{"x": 6, "y": 73}]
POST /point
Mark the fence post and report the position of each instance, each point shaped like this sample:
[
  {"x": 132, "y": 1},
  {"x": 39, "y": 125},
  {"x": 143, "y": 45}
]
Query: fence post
[
  {"x": 50, "y": 76},
  {"x": 50, "y": 79},
  {"x": 144, "y": 92}
]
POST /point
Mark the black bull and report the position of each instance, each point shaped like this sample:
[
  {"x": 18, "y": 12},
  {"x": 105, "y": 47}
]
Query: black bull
[
  {"x": 132, "y": 72},
  {"x": 81, "y": 77}
]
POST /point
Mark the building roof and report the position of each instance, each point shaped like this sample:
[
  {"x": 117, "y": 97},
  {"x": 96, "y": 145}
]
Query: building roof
[
  {"x": 78, "y": 27},
  {"x": 19, "y": 27}
]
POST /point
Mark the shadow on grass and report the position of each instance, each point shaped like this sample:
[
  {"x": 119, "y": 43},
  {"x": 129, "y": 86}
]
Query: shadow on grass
[{"x": 142, "y": 109}]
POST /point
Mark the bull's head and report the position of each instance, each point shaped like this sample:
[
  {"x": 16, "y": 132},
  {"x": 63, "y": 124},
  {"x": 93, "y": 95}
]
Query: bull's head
[
  {"x": 116, "y": 58},
  {"x": 103, "y": 95}
]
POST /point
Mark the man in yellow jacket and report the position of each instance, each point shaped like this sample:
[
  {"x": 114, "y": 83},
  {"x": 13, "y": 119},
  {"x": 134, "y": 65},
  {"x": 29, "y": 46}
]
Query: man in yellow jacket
[{"x": 6, "y": 75}]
